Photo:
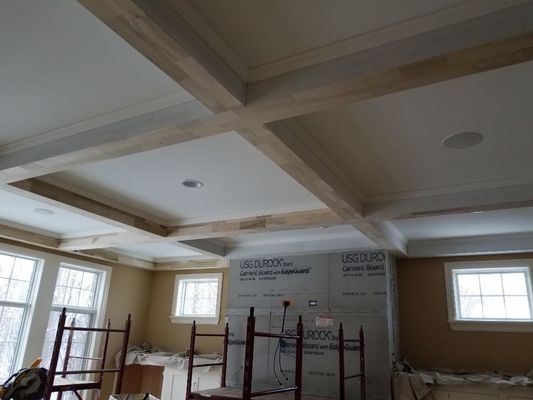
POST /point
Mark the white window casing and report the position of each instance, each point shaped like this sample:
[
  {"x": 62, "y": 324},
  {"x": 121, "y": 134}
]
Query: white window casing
[
  {"x": 505, "y": 319},
  {"x": 32, "y": 339},
  {"x": 180, "y": 314}
]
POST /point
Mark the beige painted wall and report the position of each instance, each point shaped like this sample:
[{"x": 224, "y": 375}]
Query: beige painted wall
[
  {"x": 426, "y": 336},
  {"x": 175, "y": 337},
  {"x": 129, "y": 293}
]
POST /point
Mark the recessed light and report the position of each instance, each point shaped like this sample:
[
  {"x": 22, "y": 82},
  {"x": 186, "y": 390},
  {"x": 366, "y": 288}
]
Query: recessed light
[
  {"x": 462, "y": 140},
  {"x": 192, "y": 184},
  {"x": 43, "y": 211}
]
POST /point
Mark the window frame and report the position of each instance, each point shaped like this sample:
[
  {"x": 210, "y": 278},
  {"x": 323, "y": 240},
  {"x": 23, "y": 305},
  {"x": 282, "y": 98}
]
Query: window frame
[
  {"x": 487, "y": 325},
  {"x": 33, "y": 339},
  {"x": 96, "y": 312},
  {"x": 26, "y": 306},
  {"x": 202, "y": 320}
]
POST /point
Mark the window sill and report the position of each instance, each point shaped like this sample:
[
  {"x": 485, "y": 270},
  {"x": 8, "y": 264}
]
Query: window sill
[
  {"x": 199, "y": 320},
  {"x": 491, "y": 326}
]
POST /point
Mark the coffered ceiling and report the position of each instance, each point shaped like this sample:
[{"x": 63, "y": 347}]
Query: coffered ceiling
[{"x": 312, "y": 126}]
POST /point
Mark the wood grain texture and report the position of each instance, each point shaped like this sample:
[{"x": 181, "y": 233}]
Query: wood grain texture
[
  {"x": 190, "y": 234},
  {"x": 190, "y": 264},
  {"x": 118, "y": 258},
  {"x": 159, "y": 33},
  {"x": 296, "y": 153},
  {"x": 264, "y": 223},
  {"x": 25, "y": 236},
  {"x": 447, "y": 53},
  {"x": 70, "y": 201}
]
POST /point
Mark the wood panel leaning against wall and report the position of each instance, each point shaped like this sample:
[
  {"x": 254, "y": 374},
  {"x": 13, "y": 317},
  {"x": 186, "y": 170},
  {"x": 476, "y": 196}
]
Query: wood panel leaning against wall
[{"x": 426, "y": 337}]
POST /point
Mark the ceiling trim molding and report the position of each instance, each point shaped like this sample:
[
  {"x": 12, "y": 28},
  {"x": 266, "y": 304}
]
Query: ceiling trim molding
[
  {"x": 197, "y": 22},
  {"x": 99, "y": 121},
  {"x": 415, "y": 26},
  {"x": 118, "y": 258},
  {"x": 451, "y": 189},
  {"x": 502, "y": 198},
  {"x": 139, "y": 133},
  {"x": 472, "y": 245}
]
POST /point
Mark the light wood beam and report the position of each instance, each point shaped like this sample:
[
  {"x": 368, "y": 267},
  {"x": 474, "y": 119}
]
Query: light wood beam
[
  {"x": 266, "y": 223},
  {"x": 452, "y": 52},
  {"x": 70, "y": 201},
  {"x": 132, "y": 135},
  {"x": 467, "y": 201},
  {"x": 294, "y": 150},
  {"x": 157, "y": 31},
  {"x": 118, "y": 258},
  {"x": 190, "y": 264},
  {"x": 215, "y": 229},
  {"x": 38, "y": 241},
  {"x": 25, "y": 236}
]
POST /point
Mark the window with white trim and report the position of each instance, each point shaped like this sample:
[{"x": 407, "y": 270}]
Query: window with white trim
[
  {"x": 30, "y": 281},
  {"x": 77, "y": 290},
  {"x": 197, "y": 298},
  {"x": 490, "y": 295},
  {"x": 17, "y": 276}
]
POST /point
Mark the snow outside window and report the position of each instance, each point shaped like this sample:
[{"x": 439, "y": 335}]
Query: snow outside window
[
  {"x": 197, "y": 298},
  {"x": 493, "y": 295}
]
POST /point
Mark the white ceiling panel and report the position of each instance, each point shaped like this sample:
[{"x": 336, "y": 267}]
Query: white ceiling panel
[
  {"x": 265, "y": 31},
  {"x": 156, "y": 251},
  {"x": 60, "y": 65},
  {"x": 463, "y": 225},
  {"x": 392, "y": 144},
  {"x": 20, "y": 210},
  {"x": 239, "y": 181}
]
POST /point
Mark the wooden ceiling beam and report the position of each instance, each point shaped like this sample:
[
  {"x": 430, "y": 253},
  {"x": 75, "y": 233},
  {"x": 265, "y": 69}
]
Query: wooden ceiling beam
[
  {"x": 73, "y": 202},
  {"x": 29, "y": 237},
  {"x": 157, "y": 31},
  {"x": 467, "y": 201},
  {"x": 189, "y": 234},
  {"x": 132, "y": 135},
  {"x": 294, "y": 150},
  {"x": 451, "y": 52},
  {"x": 266, "y": 223}
]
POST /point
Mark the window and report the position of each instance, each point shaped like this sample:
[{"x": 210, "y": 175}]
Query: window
[
  {"x": 77, "y": 290},
  {"x": 197, "y": 298},
  {"x": 34, "y": 286},
  {"x": 17, "y": 275},
  {"x": 493, "y": 295}
]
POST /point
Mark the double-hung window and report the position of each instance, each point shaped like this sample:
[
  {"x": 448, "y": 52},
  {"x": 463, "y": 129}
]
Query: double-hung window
[
  {"x": 17, "y": 276},
  {"x": 490, "y": 295},
  {"x": 197, "y": 298},
  {"x": 77, "y": 289}
]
